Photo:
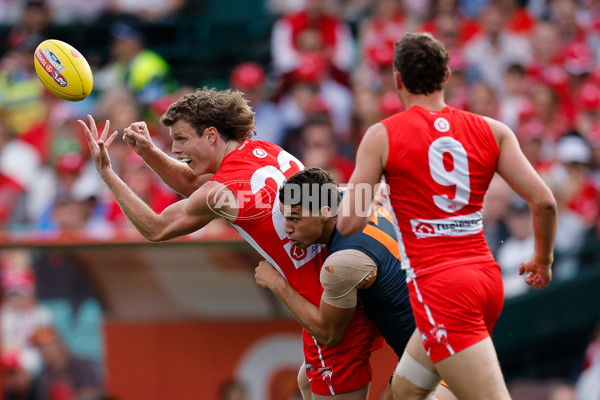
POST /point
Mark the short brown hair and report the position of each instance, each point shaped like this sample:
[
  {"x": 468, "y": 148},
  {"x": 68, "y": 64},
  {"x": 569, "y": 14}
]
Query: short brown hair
[
  {"x": 227, "y": 110},
  {"x": 422, "y": 62},
  {"x": 312, "y": 188}
]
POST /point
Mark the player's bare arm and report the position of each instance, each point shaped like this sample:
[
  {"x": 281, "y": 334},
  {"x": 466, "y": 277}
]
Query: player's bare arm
[
  {"x": 371, "y": 158},
  {"x": 173, "y": 172},
  {"x": 181, "y": 218},
  {"x": 525, "y": 181},
  {"x": 326, "y": 323}
]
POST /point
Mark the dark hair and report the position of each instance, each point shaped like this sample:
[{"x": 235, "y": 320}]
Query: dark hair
[
  {"x": 228, "y": 111},
  {"x": 422, "y": 62},
  {"x": 515, "y": 68},
  {"x": 312, "y": 188}
]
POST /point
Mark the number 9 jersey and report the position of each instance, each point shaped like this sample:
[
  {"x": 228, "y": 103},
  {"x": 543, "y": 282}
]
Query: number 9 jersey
[{"x": 439, "y": 167}]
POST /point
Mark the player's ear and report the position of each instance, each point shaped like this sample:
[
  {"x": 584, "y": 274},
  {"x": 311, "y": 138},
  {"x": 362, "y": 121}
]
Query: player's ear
[
  {"x": 398, "y": 80},
  {"x": 326, "y": 212},
  {"x": 447, "y": 75},
  {"x": 211, "y": 134}
]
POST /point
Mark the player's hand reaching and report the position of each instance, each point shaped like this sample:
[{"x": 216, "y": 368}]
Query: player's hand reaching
[
  {"x": 98, "y": 145},
  {"x": 539, "y": 272},
  {"x": 138, "y": 137},
  {"x": 267, "y": 276}
]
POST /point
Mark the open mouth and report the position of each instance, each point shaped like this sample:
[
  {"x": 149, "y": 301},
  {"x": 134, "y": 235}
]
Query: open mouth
[{"x": 186, "y": 160}]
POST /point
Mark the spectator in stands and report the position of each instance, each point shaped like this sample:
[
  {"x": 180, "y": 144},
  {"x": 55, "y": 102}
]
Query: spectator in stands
[
  {"x": 134, "y": 66},
  {"x": 376, "y": 36},
  {"x": 22, "y": 92},
  {"x": 331, "y": 37},
  {"x": 12, "y": 190},
  {"x": 562, "y": 391},
  {"x": 17, "y": 382},
  {"x": 313, "y": 92},
  {"x": 495, "y": 207},
  {"x": 465, "y": 28},
  {"x": 564, "y": 17},
  {"x": 574, "y": 155},
  {"x": 518, "y": 245},
  {"x": 146, "y": 10},
  {"x": 366, "y": 112},
  {"x": 534, "y": 144},
  {"x": 587, "y": 105},
  {"x": 576, "y": 197},
  {"x": 593, "y": 138},
  {"x": 120, "y": 107},
  {"x": 64, "y": 375},
  {"x": 482, "y": 100},
  {"x": 318, "y": 148},
  {"x": 549, "y": 112},
  {"x": 518, "y": 19},
  {"x": 21, "y": 314},
  {"x": 72, "y": 203},
  {"x": 515, "y": 96},
  {"x": 34, "y": 21},
  {"x": 250, "y": 78},
  {"x": 588, "y": 384},
  {"x": 495, "y": 48},
  {"x": 66, "y": 12}
]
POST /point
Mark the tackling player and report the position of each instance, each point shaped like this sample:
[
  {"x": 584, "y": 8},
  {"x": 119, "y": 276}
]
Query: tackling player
[
  {"x": 362, "y": 270},
  {"x": 438, "y": 162}
]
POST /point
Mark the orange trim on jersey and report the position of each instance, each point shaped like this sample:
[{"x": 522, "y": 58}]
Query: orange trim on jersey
[
  {"x": 443, "y": 383},
  {"x": 389, "y": 242},
  {"x": 383, "y": 213}
]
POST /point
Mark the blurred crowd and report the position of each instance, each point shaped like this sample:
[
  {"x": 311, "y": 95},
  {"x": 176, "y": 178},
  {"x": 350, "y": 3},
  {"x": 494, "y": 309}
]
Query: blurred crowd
[{"x": 534, "y": 65}]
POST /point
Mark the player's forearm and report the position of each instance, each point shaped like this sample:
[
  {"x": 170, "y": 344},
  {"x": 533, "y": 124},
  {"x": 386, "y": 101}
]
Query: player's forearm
[
  {"x": 306, "y": 313},
  {"x": 139, "y": 213},
  {"x": 174, "y": 173},
  {"x": 544, "y": 219}
]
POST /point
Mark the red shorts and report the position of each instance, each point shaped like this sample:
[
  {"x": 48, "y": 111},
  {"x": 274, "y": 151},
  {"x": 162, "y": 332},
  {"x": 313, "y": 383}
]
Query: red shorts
[
  {"x": 458, "y": 306},
  {"x": 344, "y": 367}
]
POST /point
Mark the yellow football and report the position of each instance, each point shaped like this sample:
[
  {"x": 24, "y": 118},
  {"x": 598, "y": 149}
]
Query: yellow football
[{"x": 63, "y": 70}]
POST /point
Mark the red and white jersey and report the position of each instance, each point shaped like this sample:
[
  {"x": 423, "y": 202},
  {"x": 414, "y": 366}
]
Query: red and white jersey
[
  {"x": 254, "y": 172},
  {"x": 439, "y": 167}
]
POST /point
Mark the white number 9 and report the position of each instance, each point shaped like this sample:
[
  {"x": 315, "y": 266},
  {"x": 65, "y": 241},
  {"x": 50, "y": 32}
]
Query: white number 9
[{"x": 458, "y": 176}]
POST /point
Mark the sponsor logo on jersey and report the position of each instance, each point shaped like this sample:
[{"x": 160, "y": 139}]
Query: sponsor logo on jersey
[
  {"x": 309, "y": 367},
  {"x": 52, "y": 65},
  {"x": 441, "y": 124},
  {"x": 461, "y": 225}
]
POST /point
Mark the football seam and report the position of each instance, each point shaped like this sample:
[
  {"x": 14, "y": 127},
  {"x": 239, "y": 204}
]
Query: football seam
[{"x": 76, "y": 73}]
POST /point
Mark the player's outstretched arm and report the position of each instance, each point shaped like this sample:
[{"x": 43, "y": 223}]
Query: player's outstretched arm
[
  {"x": 371, "y": 157},
  {"x": 525, "y": 181},
  {"x": 326, "y": 323},
  {"x": 181, "y": 218},
  {"x": 174, "y": 173}
]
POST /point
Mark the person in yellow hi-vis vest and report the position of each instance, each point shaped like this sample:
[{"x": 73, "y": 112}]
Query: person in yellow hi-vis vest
[{"x": 145, "y": 72}]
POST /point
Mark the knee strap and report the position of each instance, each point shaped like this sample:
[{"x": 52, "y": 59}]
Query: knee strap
[{"x": 408, "y": 368}]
